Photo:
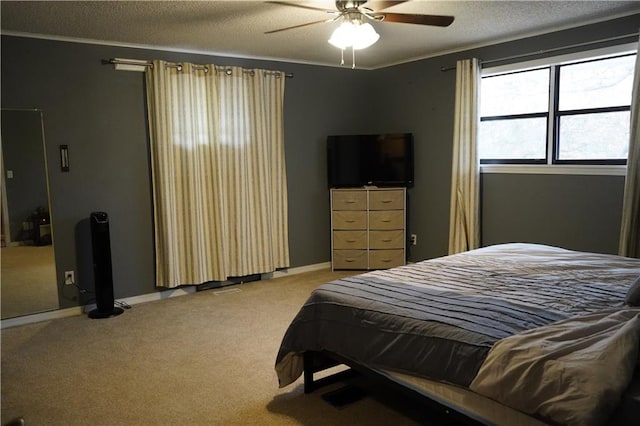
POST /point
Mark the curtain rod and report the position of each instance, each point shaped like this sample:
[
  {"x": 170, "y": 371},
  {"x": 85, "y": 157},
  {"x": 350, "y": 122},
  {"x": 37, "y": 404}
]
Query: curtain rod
[
  {"x": 551, "y": 50},
  {"x": 140, "y": 65}
]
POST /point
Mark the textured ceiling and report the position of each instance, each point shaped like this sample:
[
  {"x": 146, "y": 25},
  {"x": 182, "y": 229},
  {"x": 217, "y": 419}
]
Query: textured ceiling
[{"x": 236, "y": 28}]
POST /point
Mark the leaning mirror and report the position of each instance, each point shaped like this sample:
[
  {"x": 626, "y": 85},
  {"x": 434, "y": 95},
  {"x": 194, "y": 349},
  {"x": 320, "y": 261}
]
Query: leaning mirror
[{"x": 28, "y": 282}]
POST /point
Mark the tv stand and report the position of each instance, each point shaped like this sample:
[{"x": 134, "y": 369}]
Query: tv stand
[{"x": 368, "y": 228}]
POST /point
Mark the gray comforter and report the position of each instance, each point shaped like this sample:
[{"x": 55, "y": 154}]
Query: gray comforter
[{"x": 439, "y": 318}]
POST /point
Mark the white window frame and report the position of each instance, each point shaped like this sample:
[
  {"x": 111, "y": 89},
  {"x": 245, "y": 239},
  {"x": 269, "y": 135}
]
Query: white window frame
[{"x": 549, "y": 167}]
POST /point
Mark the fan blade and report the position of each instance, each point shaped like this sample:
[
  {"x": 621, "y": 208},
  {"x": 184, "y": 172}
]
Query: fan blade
[
  {"x": 298, "y": 26},
  {"x": 377, "y": 6},
  {"x": 436, "y": 20},
  {"x": 301, "y": 6}
]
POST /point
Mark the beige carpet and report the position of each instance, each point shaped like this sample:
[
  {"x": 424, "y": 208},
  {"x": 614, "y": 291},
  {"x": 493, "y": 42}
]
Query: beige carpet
[
  {"x": 202, "y": 359},
  {"x": 28, "y": 278}
]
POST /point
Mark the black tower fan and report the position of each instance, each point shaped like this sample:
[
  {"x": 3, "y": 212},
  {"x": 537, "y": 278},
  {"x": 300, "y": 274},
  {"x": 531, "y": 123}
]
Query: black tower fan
[{"x": 102, "y": 267}]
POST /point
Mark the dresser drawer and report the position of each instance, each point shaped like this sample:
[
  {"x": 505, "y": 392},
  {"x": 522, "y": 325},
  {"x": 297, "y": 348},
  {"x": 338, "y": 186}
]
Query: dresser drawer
[
  {"x": 381, "y": 259},
  {"x": 386, "y": 200},
  {"x": 386, "y": 219},
  {"x": 386, "y": 239},
  {"x": 350, "y": 259},
  {"x": 349, "y": 239},
  {"x": 349, "y": 200},
  {"x": 349, "y": 219}
]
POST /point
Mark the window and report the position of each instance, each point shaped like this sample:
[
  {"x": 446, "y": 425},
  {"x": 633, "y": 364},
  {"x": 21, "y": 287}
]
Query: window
[
  {"x": 514, "y": 116},
  {"x": 563, "y": 113}
]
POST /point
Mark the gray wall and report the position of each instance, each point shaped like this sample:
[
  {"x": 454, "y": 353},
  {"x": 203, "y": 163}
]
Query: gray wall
[
  {"x": 100, "y": 114},
  {"x": 419, "y": 97},
  {"x": 577, "y": 212}
]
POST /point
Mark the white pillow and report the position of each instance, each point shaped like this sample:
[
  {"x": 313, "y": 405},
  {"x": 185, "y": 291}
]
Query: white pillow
[
  {"x": 633, "y": 294},
  {"x": 572, "y": 372}
]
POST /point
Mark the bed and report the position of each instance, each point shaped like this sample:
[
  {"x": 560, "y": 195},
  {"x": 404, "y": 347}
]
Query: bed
[{"x": 505, "y": 334}]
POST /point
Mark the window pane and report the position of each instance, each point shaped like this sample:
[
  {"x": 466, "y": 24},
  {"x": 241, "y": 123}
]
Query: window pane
[
  {"x": 597, "y": 84},
  {"x": 517, "y": 93},
  {"x": 602, "y": 136},
  {"x": 523, "y": 138}
]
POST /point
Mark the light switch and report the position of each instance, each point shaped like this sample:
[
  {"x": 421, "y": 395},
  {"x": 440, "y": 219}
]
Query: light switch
[{"x": 9, "y": 174}]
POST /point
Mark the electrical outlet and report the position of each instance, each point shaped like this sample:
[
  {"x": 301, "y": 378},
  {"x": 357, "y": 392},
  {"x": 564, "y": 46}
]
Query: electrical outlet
[
  {"x": 69, "y": 277},
  {"x": 413, "y": 239}
]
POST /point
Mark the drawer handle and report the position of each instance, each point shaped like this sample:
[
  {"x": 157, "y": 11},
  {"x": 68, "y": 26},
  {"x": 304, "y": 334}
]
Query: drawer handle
[
  {"x": 385, "y": 260},
  {"x": 386, "y": 220},
  {"x": 349, "y": 220},
  {"x": 386, "y": 240},
  {"x": 349, "y": 260},
  {"x": 349, "y": 201},
  {"x": 386, "y": 201},
  {"x": 351, "y": 241}
]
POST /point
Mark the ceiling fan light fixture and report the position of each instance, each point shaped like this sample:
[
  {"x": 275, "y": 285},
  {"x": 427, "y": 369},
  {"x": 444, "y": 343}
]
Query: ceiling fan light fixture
[
  {"x": 354, "y": 34},
  {"x": 341, "y": 37},
  {"x": 364, "y": 36}
]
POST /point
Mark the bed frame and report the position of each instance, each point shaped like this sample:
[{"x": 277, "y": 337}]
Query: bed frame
[{"x": 315, "y": 362}]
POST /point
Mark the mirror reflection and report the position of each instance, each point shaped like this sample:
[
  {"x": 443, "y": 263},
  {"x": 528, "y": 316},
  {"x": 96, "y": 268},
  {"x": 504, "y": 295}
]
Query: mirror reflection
[{"x": 28, "y": 280}]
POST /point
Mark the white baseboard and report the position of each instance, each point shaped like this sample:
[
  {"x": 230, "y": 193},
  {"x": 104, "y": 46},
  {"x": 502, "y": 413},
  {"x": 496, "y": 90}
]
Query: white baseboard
[
  {"x": 143, "y": 298},
  {"x": 159, "y": 295},
  {"x": 298, "y": 270}
]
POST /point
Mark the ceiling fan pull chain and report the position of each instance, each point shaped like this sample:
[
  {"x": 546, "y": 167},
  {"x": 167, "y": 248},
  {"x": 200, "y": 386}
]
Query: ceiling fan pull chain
[
  {"x": 342, "y": 56},
  {"x": 353, "y": 58}
]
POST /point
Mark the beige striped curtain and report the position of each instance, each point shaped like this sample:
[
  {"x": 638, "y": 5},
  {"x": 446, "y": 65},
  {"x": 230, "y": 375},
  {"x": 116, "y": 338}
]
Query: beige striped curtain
[
  {"x": 464, "y": 216},
  {"x": 219, "y": 179},
  {"x": 630, "y": 229}
]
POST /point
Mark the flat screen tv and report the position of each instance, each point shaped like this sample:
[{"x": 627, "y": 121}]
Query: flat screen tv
[{"x": 375, "y": 160}]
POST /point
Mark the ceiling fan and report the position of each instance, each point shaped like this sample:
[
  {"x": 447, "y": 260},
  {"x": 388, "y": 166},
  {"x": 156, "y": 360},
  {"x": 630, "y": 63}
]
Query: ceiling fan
[
  {"x": 358, "y": 9},
  {"x": 355, "y": 31}
]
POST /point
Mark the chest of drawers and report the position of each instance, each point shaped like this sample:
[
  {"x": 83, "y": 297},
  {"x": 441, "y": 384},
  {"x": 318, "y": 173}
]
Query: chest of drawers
[{"x": 368, "y": 228}]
